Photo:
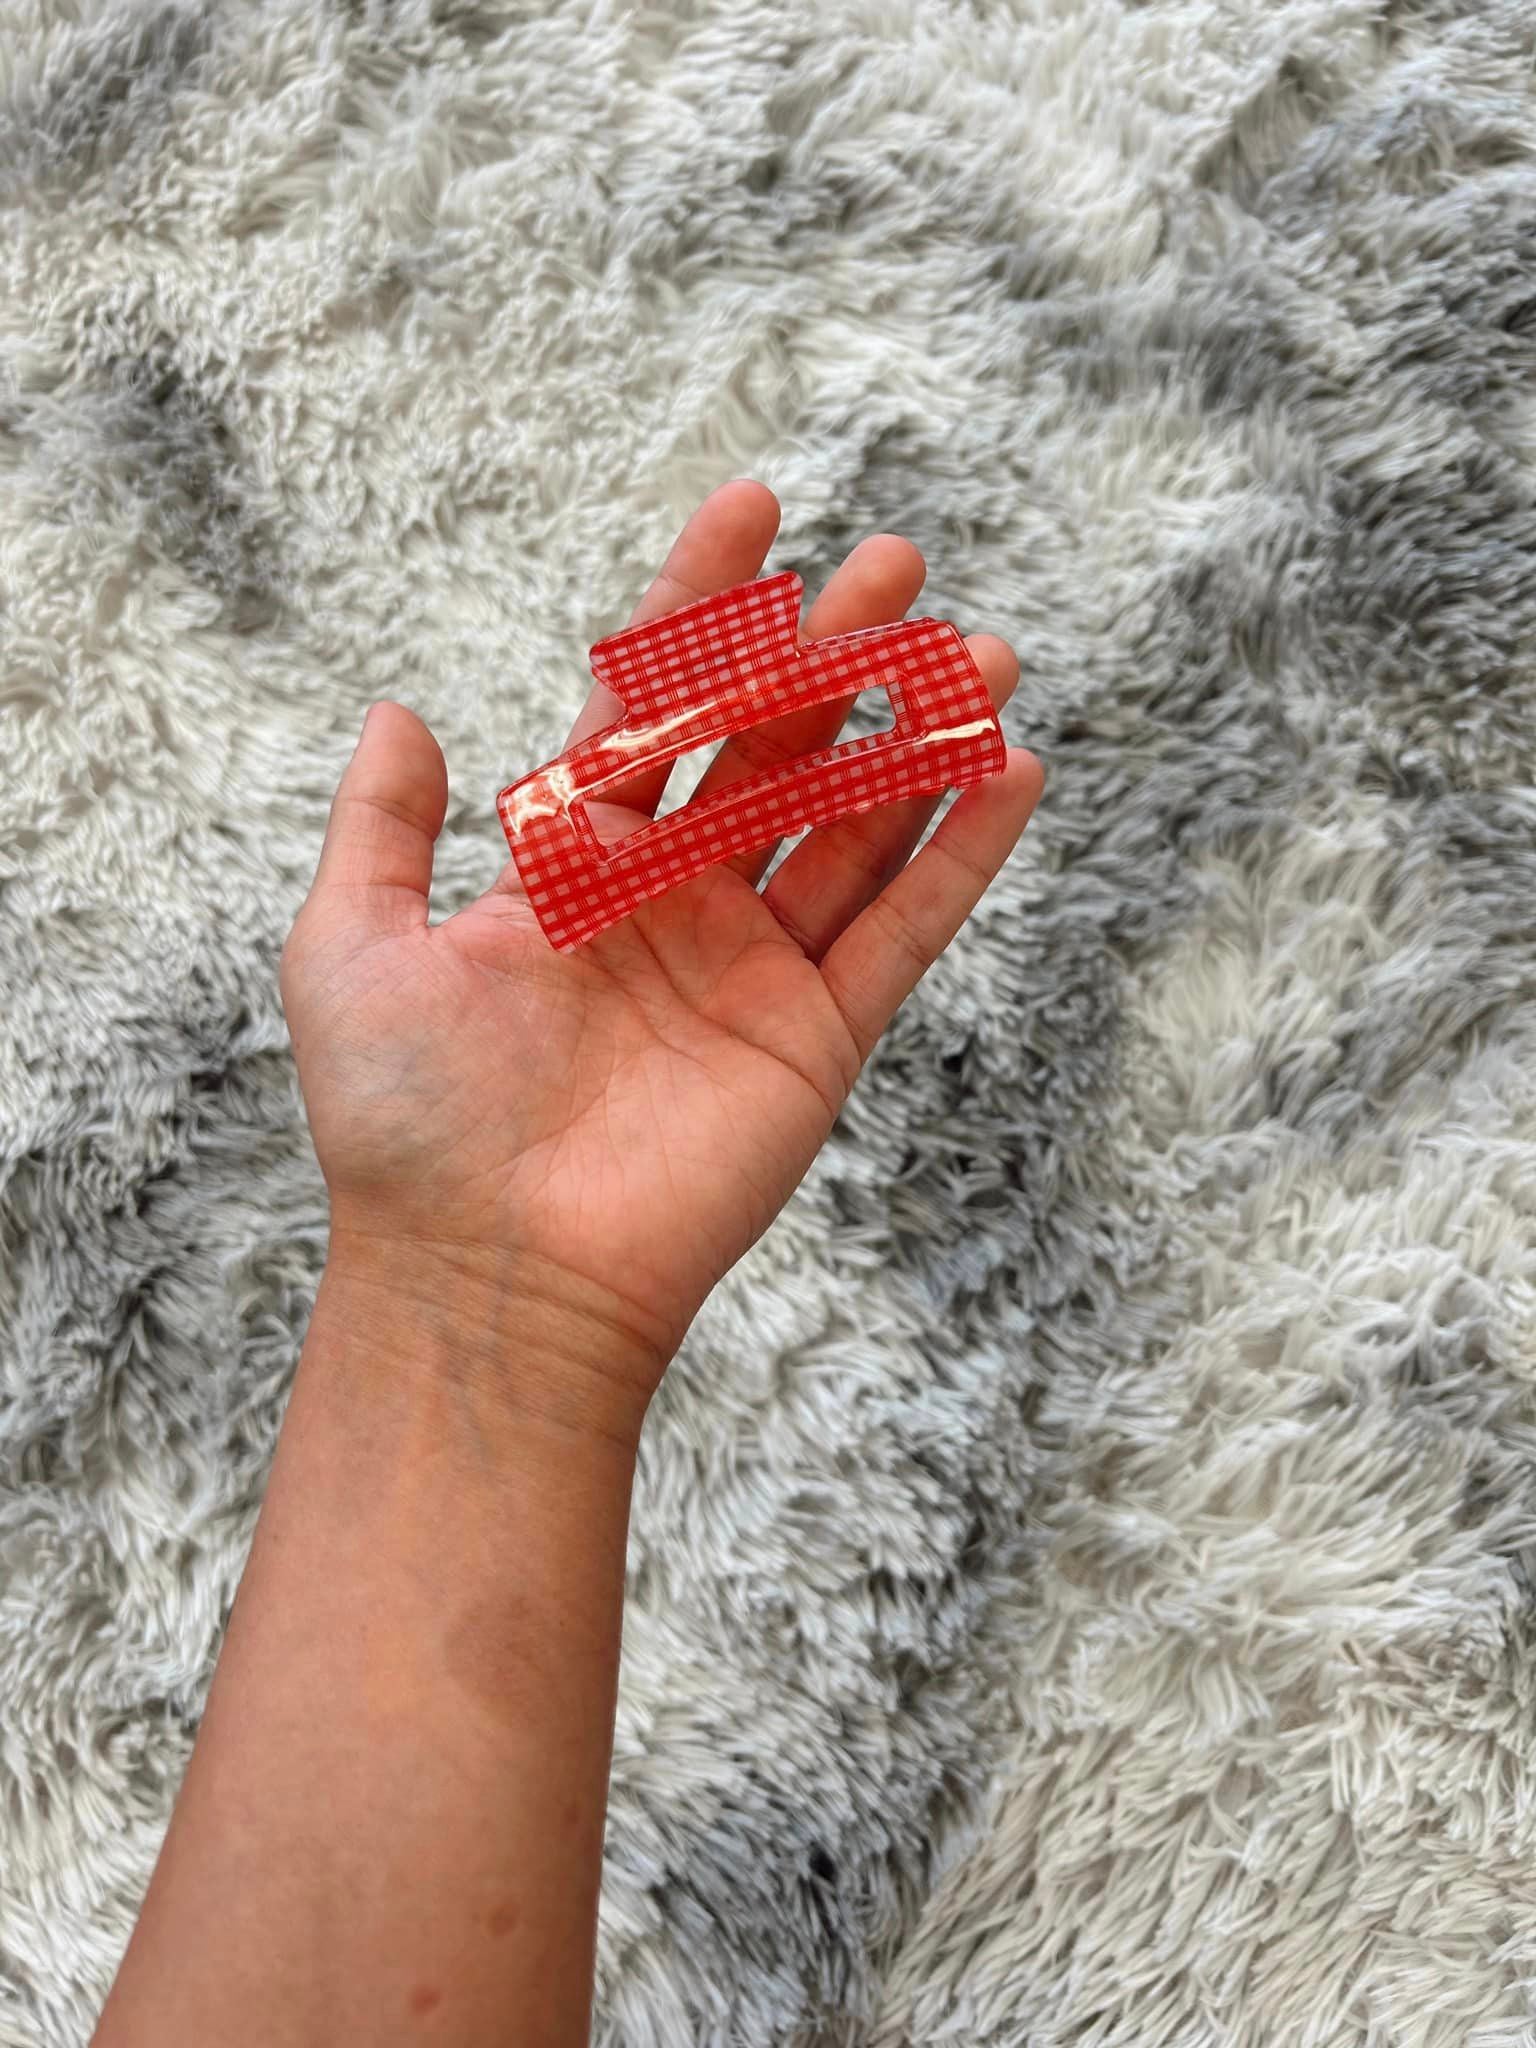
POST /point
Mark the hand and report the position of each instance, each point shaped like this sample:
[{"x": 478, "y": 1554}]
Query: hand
[{"x": 597, "y": 1136}]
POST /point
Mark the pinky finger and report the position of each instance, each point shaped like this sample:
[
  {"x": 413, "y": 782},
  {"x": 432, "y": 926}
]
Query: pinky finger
[{"x": 873, "y": 966}]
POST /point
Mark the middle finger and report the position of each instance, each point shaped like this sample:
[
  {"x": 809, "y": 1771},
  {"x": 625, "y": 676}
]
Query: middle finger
[{"x": 876, "y": 583}]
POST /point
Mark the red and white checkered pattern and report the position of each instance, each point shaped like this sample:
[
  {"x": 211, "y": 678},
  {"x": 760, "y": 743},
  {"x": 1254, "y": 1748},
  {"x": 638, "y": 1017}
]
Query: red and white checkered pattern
[{"x": 720, "y": 667}]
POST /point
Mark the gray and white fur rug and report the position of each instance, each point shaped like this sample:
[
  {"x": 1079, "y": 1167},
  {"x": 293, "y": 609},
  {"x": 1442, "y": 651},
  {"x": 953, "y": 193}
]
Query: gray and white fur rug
[{"x": 1082, "y": 1572}]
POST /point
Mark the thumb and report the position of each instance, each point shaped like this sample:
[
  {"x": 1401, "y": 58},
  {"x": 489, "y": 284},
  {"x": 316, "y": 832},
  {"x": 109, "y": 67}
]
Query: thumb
[{"x": 385, "y": 819}]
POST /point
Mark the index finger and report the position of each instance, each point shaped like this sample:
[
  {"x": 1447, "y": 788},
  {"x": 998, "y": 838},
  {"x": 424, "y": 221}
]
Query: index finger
[{"x": 725, "y": 542}]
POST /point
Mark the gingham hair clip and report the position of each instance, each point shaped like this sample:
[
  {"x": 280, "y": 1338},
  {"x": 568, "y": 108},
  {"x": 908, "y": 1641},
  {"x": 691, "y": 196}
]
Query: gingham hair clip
[{"x": 720, "y": 667}]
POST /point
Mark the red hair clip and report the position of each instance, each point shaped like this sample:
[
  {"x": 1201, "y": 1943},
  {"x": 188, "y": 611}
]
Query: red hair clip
[{"x": 721, "y": 667}]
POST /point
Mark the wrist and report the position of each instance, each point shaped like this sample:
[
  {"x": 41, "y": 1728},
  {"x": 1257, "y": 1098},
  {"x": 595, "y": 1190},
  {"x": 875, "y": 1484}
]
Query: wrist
[{"x": 526, "y": 1342}]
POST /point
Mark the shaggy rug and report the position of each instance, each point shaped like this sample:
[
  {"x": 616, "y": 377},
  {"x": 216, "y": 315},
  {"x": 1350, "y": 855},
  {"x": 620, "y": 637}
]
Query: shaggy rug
[{"x": 1082, "y": 1568}]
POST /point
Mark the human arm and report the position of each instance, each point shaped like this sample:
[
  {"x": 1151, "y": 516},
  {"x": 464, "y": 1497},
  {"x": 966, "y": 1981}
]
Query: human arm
[{"x": 391, "y": 1827}]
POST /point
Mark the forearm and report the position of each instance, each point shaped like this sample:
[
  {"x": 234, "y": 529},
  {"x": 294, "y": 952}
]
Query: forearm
[{"x": 395, "y": 1806}]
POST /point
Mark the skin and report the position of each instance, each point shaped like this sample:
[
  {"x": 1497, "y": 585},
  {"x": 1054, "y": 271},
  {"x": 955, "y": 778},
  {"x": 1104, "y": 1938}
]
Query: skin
[{"x": 539, "y": 1164}]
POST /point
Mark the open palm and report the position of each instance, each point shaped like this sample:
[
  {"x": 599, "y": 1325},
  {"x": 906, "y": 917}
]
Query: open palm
[{"x": 630, "y": 1116}]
